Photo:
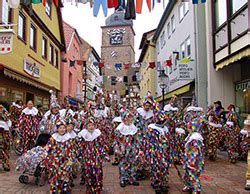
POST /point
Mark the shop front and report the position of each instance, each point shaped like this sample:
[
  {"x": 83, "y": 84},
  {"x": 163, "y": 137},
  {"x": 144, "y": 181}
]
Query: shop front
[
  {"x": 15, "y": 86},
  {"x": 242, "y": 90}
]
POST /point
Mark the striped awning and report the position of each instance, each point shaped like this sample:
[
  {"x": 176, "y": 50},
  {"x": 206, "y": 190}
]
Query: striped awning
[
  {"x": 233, "y": 59},
  {"x": 21, "y": 78}
]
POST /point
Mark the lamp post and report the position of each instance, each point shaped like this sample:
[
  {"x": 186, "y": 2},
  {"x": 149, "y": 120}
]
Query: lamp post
[{"x": 163, "y": 81}]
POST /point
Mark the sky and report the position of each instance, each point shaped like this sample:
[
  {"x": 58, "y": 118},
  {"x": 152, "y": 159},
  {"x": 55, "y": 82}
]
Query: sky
[{"x": 89, "y": 27}]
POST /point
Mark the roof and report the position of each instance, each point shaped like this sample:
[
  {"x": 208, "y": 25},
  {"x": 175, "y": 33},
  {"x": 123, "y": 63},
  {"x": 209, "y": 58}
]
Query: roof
[
  {"x": 118, "y": 19},
  {"x": 164, "y": 18},
  {"x": 145, "y": 42}
]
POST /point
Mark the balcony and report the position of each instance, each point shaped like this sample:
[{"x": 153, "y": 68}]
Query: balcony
[{"x": 232, "y": 37}]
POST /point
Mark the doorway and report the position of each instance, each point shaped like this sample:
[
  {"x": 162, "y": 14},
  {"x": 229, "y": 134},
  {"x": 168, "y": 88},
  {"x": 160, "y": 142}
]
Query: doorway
[{"x": 29, "y": 97}]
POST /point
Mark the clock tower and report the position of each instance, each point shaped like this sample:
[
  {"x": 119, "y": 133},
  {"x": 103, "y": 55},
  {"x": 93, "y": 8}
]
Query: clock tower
[{"x": 117, "y": 49}]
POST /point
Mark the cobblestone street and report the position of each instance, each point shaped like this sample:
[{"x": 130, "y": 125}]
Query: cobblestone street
[{"x": 219, "y": 177}]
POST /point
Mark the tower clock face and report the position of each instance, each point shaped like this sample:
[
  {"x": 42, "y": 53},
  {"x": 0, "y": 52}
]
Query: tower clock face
[{"x": 116, "y": 36}]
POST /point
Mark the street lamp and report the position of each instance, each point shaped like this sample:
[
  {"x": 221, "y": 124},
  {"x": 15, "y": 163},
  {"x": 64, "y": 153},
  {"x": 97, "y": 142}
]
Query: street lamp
[{"x": 163, "y": 81}]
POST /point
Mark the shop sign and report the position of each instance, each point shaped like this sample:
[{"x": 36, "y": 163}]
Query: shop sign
[
  {"x": 186, "y": 71},
  {"x": 240, "y": 87},
  {"x": 6, "y": 41},
  {"x": 31, "y": 68}
]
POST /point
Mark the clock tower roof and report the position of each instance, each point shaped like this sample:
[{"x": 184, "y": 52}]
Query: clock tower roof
[{"x": 117, "y": 19}]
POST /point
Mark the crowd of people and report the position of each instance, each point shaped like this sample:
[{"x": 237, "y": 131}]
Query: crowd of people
[{"x": 145, "y": 141}]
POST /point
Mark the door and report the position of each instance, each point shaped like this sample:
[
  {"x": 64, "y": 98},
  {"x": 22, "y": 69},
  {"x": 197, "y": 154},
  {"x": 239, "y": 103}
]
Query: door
[{"x": 29, "y": 97}]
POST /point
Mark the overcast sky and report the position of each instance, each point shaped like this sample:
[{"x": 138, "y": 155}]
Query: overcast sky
[{"x": 89, "y": 27}]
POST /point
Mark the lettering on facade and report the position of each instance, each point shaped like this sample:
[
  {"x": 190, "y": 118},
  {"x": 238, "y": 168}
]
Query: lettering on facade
[
  {"x": 31, "y": 68},
  {"x": 242, "y": 86},
  {"x": 186, "y": 71},
  {"x": 6, "y": 41}
]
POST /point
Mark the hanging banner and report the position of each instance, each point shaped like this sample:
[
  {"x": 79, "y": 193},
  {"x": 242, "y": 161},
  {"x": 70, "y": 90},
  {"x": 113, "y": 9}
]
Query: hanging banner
[
  {"x": 6, "y": 41},
  {"x": 186, "y": 71}
]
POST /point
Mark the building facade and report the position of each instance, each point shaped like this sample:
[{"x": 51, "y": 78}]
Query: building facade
[
  {"x": 71, "y": 71},
  {"x": 93, "y": 82},
  {"x": 180, "y": 37},
  {"x": 228, "y": 45},
  {"x": 33, "y": 66},
  {"x": 149, "y": 76},
  {"x": 118, "y": 48}
]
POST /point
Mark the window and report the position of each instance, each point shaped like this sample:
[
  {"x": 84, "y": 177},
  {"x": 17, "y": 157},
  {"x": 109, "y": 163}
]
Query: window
[
  {"x": 181, "y": 11},
  {"x": 183, "y": 50},
  {"x": 33, "y": 37},
  {"x": 220, "y": 12},
  {"x": 113, "y": 80},
  {"x": 162, "y": 39},
  {"x": 51, "y": 54},
  {"x": 237, "y": 4},
  {"x": 188, "y": 42},
  {"x": 48, "y": 7},
  {"x": 168, "y": 30},
  {"x": 56, "y": 58},
  {"x": 44, "y": 48},
  {"x": 21, "y": 26},
  {"x": 173, "y": 23},
  {"x": 5, "y": 12},
  {"x": 186, "y": 7}
]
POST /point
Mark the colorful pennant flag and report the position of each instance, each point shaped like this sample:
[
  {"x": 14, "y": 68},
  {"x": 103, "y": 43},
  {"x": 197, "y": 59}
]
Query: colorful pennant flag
[
  {"x": 151, "y": 65},
  {"x": 118, "y": 66},
  {"x": 158, "y": 66},
  {"x": 169, "y": 63},
  {"x": 126, "y": 66},
  {"x": 101, "y": 65},
  {"x": 36, "y": 1},
  {"x": 72, "y": 63},
  {"x": 198, "y": 1},
  {"x": 95, "y": 63}
]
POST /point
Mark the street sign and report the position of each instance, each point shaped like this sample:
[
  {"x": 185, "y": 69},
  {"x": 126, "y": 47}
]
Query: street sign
[{"x": 6, "y": 41}]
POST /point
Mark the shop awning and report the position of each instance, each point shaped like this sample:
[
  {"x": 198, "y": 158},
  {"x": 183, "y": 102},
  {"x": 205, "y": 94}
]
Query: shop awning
[
  {"x": 238, "y": 56},
  {"x": 20, "y": 78},
  {"x": 179, "y": 91}
]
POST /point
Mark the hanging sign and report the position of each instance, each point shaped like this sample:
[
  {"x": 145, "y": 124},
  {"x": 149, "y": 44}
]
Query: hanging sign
[
  {"x": 186, "y": 71},
  {"x": 6, "y": 41},
  {"x": 31, "y": 68}
]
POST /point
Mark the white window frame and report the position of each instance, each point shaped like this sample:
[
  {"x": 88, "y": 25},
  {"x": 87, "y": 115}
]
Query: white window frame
[
  {"x": 32, "y": 36},
  {"x": 44, "y": 47},
  {"x": 51, "y": 53},
  {"x": 5, "y": 12},
  {"x": 186, "y": 7},
  {"x": 183, "y": 45},
  {"x": 173, "y": 23},
  {"x": 188, "y": 43},
  {"x": 168, "y": 30},
  {"x": 21, "y": 26},
  {"x": 181, "y": 12}
]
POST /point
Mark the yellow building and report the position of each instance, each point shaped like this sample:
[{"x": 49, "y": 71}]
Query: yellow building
[
  {"x": 148, "y": 83},
  {"x": 33, "y": 66}
]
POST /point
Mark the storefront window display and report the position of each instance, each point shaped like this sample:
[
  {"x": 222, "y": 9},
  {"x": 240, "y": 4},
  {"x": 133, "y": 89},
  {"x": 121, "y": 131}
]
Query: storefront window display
[
  {"x": 38, "y": 100},
  {"x": 243, "y": 97},
  {"x": 3, "y": 94},
  {"x": 17, "y": 95},
  {"x": 46, "y": 104}
]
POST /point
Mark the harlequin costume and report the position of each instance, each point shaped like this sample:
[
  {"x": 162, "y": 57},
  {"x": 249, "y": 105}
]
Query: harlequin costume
[
  {"x": 158, "y": 152},
  {"x": 193, "y": 158},
  {"x": 171, "y": 113},
  {"x": 5, "y": 124},
  {"x": 48, "y": 123},
  {"x": 243, "y": 144},
  {"x": 180, "y": 135},
  {"x": 143, "y": 119},
  {"x": 232, "y": 138},
  {"x": 59, "y": 161},
  {"x": 116, "y": 121},
  {"x": 92, "y": 152},
  {"x": 15, "y": 112},
  {"x": 127, "y": 144},
  {"x": 28, "y": 126},
  {"x": 212, "y": 136}
]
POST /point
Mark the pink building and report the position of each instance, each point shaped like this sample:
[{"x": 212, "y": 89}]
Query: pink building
[{"x": 71, "y": 72}]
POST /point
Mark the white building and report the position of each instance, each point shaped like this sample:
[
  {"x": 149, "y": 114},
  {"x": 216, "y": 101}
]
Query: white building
[
  {"x": 179, "y": 35},
  {"x": 228, "y": 45},
  {"x": 92, "y": 74}
]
